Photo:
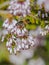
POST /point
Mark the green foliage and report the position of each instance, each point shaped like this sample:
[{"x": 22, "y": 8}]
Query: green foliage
[
  {"x": 3, "y": 57},
  {"x": 5, "y": 7},
  {"x": 42, "y": 23},
  {"x": 6, "y": 63},
  {"x": 47, "y": 43},
  {"x": 25, "y": 63},
  {"x": 31, "y": 27},
  {"x": 1, "y": 21},
  {"x": 1, "y": 1},
  {"x": 31, "y": 19}
]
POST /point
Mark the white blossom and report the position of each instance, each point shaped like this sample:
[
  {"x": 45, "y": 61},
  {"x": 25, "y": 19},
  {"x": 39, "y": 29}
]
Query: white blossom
[
  {"x": 23, "y": 46},
  {"x": 30, "y": 38},
  {"x": 33, "y": 43},
  {"x": 42, "y": 15},
  {"x": 46, "y": 14},
  {"x": 5, "y": 24},
  {"x": 18, "y": 8},
  {"x": 8, "y": 26},
  {"x": 26, "y": 46},
  {"x": 39, "y": 12},
  {"x": 18, "y": 49},
  {"x": 43, "y": 33},
  {"x": 7, "y": 43},
  {"x": 18, "y": 32},
  {"x": 47, "y": 27},
  {"x": 19, "y": 46},
  {"x": 10, "y": 50},
  {"x": 24, "y": 41},
  {"x": 2, "y": 38},
  {"x": 15, "y": 51}
]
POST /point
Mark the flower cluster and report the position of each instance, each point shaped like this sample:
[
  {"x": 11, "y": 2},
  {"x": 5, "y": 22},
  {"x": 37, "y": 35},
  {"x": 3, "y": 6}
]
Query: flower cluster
[
  {"x": 8, "y": 26},
  {"x": 17, "y": 44},
  {"x": 19, "y": 8},
  {"x": 17, "y": 35}
]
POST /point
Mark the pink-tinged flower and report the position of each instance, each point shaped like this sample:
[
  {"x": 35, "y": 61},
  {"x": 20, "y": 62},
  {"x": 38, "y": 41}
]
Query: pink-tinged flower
[
  {"x": 9, "y": 25},
  {"x": 20, "y": 8}
]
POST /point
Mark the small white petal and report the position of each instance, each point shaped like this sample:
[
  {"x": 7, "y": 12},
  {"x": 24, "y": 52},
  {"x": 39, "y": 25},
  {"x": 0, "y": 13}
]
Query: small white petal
[
  {"x": 2, "y": 38},
  {"x": 26, "y": 46},
  {"x": 46, "y": 27},
  {"x": 32, "y": 43},
  {"x": 19, "y": 46},
  {"x": 11, "y": 11},
  {"x": 18, "y": 49},
  {"x": 46, "y": 14},
  {"x": 7, "y": 44},
  {"x": 24, "y": 15},
  {"x": 23, "y": 45},
  {"x": 39, "y": 12},
  {"x": 14, "y": 51},
  {"x": 42, "y": 15},
  {"x": 10, "y": 50}
]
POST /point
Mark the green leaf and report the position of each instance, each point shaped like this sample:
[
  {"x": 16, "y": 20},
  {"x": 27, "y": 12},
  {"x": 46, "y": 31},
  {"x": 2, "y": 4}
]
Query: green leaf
[
  {"x": 42, "y": 24},
  {"x": 1, "y": 22},
  {"x": 31, "y": 27}
]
